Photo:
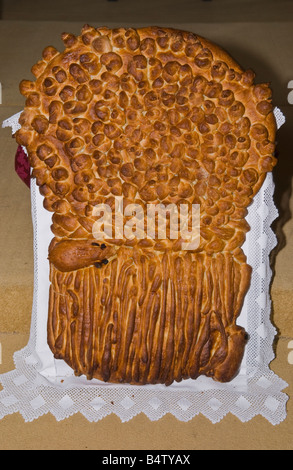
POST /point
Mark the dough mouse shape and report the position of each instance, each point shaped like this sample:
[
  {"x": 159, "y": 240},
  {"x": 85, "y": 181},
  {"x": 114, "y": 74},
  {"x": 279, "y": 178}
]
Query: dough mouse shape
[{"x": 148, "y": 116}]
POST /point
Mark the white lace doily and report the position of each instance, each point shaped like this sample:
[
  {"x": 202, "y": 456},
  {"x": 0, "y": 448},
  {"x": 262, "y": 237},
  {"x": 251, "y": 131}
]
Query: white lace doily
[{"x": 40, "y": 384}]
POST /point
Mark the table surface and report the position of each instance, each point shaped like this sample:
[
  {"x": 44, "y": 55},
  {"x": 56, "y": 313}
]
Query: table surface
[{"x": 260, "y": 46}]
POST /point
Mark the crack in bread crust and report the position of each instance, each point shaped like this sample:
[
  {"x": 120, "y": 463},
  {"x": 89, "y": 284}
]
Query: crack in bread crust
[{"x": 153, "y": 116}]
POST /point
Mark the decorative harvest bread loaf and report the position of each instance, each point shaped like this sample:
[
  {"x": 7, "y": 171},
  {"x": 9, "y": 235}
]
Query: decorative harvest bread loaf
[{"x": 149, "y": 116}]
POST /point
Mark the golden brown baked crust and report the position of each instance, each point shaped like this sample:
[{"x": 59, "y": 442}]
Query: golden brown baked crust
[{"x": 152, "y": 115}]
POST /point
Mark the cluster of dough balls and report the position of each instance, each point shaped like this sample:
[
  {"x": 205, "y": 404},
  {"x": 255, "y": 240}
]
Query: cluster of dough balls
[{"x": 153, "y": 115}]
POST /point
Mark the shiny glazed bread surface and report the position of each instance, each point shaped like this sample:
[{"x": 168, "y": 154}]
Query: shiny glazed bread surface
[{"x": 152, "y": 115}]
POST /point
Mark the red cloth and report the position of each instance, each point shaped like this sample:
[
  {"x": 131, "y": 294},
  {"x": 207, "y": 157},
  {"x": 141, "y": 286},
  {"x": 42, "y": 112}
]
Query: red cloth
[{"x": 22, "y": 166}]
